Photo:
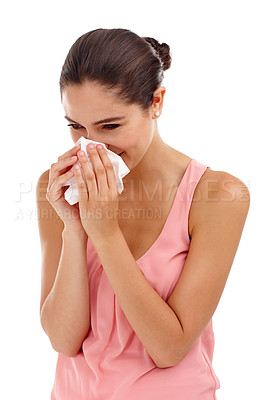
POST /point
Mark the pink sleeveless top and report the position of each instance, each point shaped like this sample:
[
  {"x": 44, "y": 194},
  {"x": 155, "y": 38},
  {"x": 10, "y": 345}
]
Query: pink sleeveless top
[{"x": 113, "y": 363}]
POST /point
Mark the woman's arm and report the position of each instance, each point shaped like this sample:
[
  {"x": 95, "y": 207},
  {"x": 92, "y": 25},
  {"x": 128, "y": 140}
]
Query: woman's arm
[
  {"x": 64, "y": 308},
  {"x": 168, "y": 329},
  {"x": 153, "y": 321}
]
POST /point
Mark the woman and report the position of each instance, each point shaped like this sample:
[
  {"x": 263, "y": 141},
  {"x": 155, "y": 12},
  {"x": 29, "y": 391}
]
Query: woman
[{"x": 127, "y": 298}]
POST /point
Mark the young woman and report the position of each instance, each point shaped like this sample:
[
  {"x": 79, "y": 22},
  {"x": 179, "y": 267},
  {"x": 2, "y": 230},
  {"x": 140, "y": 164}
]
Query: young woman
[{"x": 130, "y": 282}]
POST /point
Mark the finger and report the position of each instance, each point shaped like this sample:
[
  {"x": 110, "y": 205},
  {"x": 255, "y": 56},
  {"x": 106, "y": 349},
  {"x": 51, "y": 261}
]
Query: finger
[
  {"x": 59, "y": 167},
  {"x": 53, "y": 190},
  {"x": 70, "y": 152},
  {"x": 100, "y": 173},
  {"x": 110, "y": 173},
  {"x": 63, "y": 163},
  {"x": 89, "y": 175},
  {"x": 82, "y": 188}
]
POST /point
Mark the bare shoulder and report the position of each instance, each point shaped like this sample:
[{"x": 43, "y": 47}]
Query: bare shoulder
[
  {"x": 48, "y": 219},
  {"x": 42, "y": 184},
  {"x": 50, "y": 231},
  {"x": 218, "y": 192},
  {"x": 218, "y": 213},
  {"x": 41, "y": 190}
]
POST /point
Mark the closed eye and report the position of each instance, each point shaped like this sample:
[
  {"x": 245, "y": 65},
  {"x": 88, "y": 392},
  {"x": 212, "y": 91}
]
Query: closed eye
[
  {"x": 108, "y": 127},
  {"x": 75, "y": 126}
]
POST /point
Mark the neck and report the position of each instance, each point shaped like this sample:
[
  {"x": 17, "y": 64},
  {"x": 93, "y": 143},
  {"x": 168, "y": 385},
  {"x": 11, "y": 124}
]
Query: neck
[{"x": 153, "y": 168}]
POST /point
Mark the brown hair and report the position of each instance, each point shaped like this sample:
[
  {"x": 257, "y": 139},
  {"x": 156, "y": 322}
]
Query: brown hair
[{"x": 120, "y": 60}]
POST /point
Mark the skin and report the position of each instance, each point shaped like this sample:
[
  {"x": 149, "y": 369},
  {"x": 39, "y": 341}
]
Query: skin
[
  {"x": 137, "y": 136},
  {"x": 169, "y": 329}
]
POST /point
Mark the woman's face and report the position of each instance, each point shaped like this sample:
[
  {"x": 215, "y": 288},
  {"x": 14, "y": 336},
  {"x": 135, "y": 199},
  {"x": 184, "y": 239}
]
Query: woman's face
[{"x": 128, "y": 131}]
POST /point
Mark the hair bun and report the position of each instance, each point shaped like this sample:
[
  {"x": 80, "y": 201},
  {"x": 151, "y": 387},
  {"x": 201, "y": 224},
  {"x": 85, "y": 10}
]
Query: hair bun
[{"x": 163, "y": 51}]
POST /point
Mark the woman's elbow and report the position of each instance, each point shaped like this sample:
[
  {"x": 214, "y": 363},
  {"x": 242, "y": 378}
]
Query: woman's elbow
[
  {"x": 173, "y": 357},
  {"x": 67, "y": 341},
  {"x": 68, "y": 346},
  {"x": 68, "y": 351}
]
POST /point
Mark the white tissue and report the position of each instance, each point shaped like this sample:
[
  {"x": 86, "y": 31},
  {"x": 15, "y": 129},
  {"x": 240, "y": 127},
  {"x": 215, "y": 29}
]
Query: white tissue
[{"x": 120, "y": 170}]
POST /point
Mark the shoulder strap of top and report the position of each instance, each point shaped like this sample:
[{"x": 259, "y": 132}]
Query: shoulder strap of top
[
  {"x": 187, "y": 189},
  {"x": 191, "y": 179}
]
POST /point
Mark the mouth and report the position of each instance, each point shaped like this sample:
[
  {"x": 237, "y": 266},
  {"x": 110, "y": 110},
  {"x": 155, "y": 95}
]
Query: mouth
[{"x": 120, "y": 153}]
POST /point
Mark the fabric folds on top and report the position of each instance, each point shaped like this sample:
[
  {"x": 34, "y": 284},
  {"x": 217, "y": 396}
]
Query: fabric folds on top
[{"x": 113, "y": 363}]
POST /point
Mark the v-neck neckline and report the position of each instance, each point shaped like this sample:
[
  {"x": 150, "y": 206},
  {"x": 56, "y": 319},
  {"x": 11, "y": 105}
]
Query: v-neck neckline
[{"x": 169, "y": 214}]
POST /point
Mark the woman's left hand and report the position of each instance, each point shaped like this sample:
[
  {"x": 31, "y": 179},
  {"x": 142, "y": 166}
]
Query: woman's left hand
[{"x": 98, "y": 194}]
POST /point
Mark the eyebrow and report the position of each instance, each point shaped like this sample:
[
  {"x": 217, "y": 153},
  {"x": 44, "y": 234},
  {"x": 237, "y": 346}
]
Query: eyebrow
[{"x": 110, "y": 119}]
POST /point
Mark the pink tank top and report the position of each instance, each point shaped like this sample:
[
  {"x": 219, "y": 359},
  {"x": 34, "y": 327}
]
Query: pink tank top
[{"x": 113, "y": 363}]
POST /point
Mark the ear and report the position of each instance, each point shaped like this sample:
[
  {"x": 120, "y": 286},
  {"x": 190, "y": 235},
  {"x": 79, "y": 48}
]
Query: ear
[{"x": 158, "y": 97}]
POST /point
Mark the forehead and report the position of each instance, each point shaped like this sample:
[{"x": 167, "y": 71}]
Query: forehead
[
  {"x": 89, "y": 102},
  {"x": 90, "y": 96}
]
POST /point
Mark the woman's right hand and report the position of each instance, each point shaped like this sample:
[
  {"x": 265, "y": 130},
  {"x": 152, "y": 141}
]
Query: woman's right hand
[{"x": 59, "y": 173}]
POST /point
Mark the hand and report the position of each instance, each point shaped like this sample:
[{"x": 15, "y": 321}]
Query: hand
[
  {"x": 98, "y": 193},
  {"x": 59, "y": 173}
]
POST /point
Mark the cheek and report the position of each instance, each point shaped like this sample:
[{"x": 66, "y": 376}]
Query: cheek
[
  {"x": 134, "y": 149},
  {"x": 132, "y": 139}
]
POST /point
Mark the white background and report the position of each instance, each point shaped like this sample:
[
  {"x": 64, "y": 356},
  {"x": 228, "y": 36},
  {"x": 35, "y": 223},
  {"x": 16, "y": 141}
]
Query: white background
[{"x": 214, "y": 111}]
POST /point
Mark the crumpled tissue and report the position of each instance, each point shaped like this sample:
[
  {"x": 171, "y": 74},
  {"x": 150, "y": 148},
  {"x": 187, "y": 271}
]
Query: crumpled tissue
[{"x": 120, "y": 170}]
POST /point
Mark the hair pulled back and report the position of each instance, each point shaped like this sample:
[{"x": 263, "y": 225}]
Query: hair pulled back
[{"x": 120, "y": 60}]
